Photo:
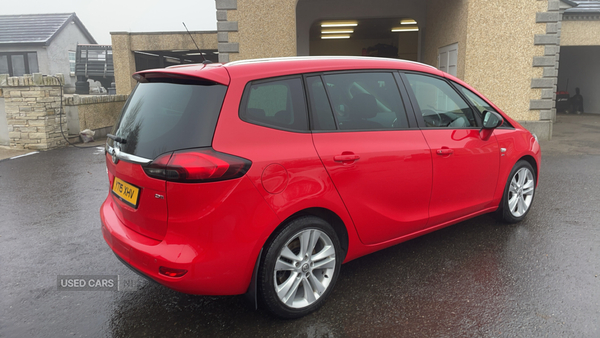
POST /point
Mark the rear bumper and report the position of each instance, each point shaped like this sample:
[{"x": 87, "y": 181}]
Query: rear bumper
[
  {"x": 218, "y": 250},
  {"x": 134, "y": 269}
]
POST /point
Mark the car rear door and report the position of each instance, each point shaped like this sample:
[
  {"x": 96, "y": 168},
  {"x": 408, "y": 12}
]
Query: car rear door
[
  {"x": 379, "y": 165},
  {"x": 465, "y": 164}
]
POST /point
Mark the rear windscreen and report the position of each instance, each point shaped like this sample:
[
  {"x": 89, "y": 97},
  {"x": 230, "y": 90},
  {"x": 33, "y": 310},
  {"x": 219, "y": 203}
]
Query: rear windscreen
[{"x": 160, "y": 117}]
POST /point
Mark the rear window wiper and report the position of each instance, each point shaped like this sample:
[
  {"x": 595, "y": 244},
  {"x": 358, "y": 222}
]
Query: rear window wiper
[{"x": 117, "y": 138}]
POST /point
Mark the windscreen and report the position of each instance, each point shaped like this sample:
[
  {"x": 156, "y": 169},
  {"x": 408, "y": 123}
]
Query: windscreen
[{"x": 164, "y": 116}]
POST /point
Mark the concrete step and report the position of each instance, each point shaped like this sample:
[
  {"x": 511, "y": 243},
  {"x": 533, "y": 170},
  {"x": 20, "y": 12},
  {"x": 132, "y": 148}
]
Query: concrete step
[{"x": 74, "y": 139}]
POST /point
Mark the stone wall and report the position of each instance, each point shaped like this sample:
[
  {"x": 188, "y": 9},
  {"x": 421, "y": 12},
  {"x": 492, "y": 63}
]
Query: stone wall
[
  {"x": 32, "y": 106},
  {"x": 3, "y": 126},
  {"x": 94, "y": 112}
]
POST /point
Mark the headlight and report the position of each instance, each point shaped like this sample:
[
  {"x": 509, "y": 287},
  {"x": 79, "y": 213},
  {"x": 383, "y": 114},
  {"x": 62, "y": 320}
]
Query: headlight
[{"x": 535, "y": 137}]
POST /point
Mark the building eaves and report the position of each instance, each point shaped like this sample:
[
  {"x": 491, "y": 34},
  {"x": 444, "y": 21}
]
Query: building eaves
[
  {"x": 569, "y": 3},
  {"x": 84, "y": 30},
  {"x": 584, "y": 7}
]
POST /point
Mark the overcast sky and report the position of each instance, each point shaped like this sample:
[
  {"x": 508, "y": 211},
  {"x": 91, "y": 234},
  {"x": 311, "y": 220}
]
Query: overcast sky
[{"x": 101, "y": 17}]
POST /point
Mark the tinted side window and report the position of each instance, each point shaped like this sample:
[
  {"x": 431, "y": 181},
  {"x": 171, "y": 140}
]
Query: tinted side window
[
  {"x": 440, "y": 104},
  {"x": 366, "y": 101},
  {"x": 322, "y": 116},
  {"x": 278, "y": 103},
  {"x": 477, "y": 102}
]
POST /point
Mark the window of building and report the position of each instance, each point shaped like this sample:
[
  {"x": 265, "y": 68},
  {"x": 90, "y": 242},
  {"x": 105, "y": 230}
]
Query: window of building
[
  {"x": 96, "y": 55},
  {"x": 72, "y": 62},
  {"x": 4, "y": 64},
  {"x": 18, "y": 63},
  {"x": 32, "y": 63}
]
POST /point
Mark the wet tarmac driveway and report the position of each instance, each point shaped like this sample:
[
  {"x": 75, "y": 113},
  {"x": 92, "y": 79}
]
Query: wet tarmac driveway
[{"x": 479, "y": 278}]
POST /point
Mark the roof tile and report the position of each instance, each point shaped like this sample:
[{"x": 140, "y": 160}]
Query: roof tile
[{"x": 32, "y": 28}]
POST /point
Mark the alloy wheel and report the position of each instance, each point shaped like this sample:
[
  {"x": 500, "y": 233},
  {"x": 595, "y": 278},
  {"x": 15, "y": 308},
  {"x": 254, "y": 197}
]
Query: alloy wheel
[
  {"x": 304, "y": 268},
  {"x": 520, "y": 194}
]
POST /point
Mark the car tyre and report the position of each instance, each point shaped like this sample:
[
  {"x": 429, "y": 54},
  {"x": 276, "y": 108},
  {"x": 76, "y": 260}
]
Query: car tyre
[
  {"x": 518, "y": 193},
  {"x": 300, "y": 267}
]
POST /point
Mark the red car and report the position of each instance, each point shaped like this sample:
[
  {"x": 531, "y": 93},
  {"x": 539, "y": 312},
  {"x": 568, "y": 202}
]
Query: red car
[{"x": 263, "y": 176}]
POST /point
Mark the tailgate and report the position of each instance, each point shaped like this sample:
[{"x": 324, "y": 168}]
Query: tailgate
[{"x": 140, "y": 201}]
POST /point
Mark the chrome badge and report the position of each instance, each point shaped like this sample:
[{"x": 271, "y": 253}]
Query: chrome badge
[{"x": 113, "y": 154}]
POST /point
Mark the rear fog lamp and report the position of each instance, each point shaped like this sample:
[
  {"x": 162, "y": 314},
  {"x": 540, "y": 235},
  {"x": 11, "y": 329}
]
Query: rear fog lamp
[{"x": 171, "y": 272}]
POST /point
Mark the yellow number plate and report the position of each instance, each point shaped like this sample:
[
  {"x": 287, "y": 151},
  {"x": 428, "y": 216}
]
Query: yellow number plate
[{"x": 126, "y": 192}]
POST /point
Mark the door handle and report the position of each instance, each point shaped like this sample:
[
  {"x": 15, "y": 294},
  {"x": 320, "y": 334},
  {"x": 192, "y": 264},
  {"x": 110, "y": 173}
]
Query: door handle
[
  {"x": 346, "y": 158},
  {"x": 444, "y": 151}
]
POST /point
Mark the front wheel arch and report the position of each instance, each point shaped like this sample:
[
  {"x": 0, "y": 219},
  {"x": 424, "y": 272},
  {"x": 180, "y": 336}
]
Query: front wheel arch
[{"x": 533, "y": 164}]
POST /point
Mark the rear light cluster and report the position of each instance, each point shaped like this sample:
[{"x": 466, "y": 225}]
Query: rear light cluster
[{"x": 197, "y": 165}]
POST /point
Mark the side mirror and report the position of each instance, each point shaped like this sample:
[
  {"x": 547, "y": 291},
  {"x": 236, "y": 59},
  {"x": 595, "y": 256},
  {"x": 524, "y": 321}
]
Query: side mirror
[{"x": 492, "y": 120}]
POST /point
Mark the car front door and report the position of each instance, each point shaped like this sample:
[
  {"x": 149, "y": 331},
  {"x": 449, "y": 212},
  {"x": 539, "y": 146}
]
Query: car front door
[
  {"x": 465, "y": 163},
  {"x": 380, "y": 167}
]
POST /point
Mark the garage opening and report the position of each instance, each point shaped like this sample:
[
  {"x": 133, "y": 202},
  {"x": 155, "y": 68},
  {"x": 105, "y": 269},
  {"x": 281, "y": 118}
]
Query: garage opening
[
  {"x": 165, "y": 58},
  {"x": 578, "y": 66},
  {"x": 384, "y": 28},
  {"x": 384, "y": 37},
  {"x": 429, "y": 31}
]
